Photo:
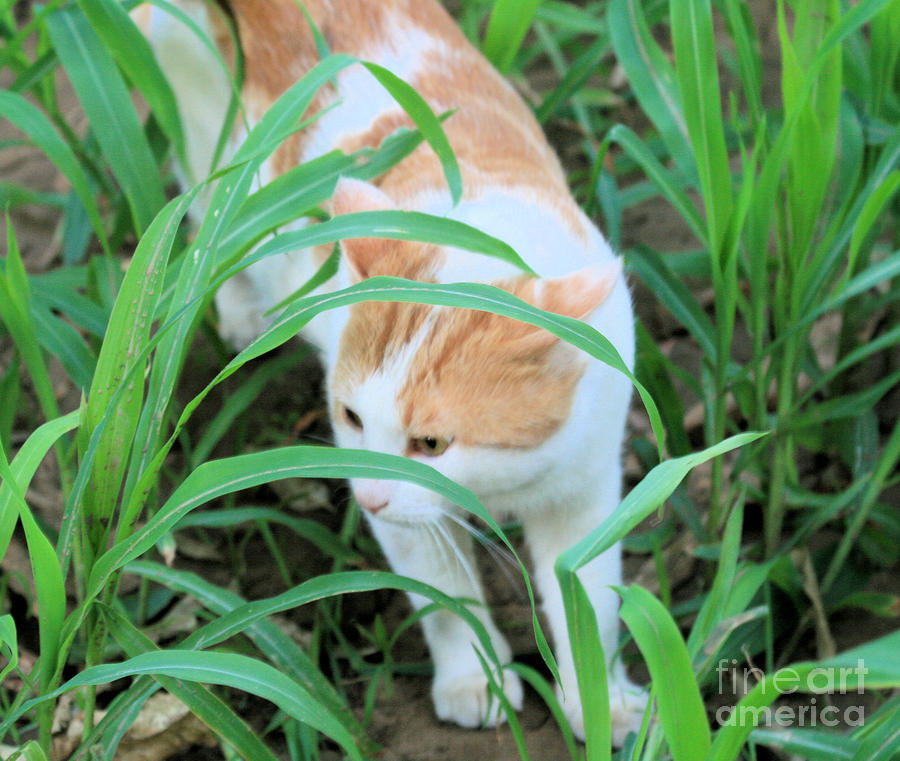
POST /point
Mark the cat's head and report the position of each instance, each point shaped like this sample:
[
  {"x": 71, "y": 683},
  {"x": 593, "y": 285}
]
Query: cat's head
[{"x": 473, "y": 394}]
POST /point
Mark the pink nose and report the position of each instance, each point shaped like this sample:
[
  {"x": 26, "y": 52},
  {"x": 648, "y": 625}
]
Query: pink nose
[
  {"x": 372, "y": 494},
  {"x": 371, "y": 503}
]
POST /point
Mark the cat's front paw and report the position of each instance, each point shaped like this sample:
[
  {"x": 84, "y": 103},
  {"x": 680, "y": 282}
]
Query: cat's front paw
[
  {"x": 627, "y": 703},
  {"x": 466, "y": 700},
  {"x": 626, "y": 710}
]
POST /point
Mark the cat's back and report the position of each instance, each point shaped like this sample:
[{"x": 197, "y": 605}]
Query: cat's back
[
  {"x": 514, "y": 187},
  {"x": 494, "y": 134}
]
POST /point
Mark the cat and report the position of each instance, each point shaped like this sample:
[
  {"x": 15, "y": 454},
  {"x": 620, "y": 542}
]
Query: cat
[{"x": 531, "y": 425}]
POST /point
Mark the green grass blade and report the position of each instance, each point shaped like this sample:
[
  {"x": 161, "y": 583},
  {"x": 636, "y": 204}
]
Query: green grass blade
[
  {"x": 126, "y": 337},
  {"x": 284, "y": 200},
  {"x": 652, "y": 368},
  {"x": 571, "y": 19},
  {"x": 574, "y": 79},
  {"x": 15, "y": 311},
  {"x": 108, "y": 106},
  {"x": 41, "y": 132},
  {"x": 133, "y": 54},
  {"x": 9, "y": 393},
  {"x": 244, "y": 617},
  {"x": 661, "y": 177},
  {"x": 13, "y": 195},
  {"x": 277, "y": 646},
  {"x": 698, "y": 82},
  {"x": 881, "y": 741},
  {"x": 506, "y": 29},
  {"x": 540, "y": 685},
  {"x": 807, "y": 743},
  {"x": 743, "y": 32},
  {"x": 192, "y": 285},
  {"x": 869, "y": 214},
  {"x": 247, "y": 618},
  {"x": 311, "y": 530},
  {"x": 713, "y": 610},
  {"x": 465, "y": 295},
  {"x": 62, "y": 294},
  {"x": 64, "y": 342},
  {"x": 226, "y": 476},
  {"x": 394, "y": 224},
  {"x": 678, "y": 700},
  {"x": 590, "y": 665},
  {"x": 76, "y": 230},
  {"x": 303, "y": 187},
  {"x": 886, "y": 464},
  {"x": 885, "y": 56},
  {"x": 9, "y": 643},
  {"x": 881, "y": 272},
  {"x": 235, "y": 106},
  {"x": 853, "y": 19},
  {"x": 812, "y": 155},
  {"x": 118, "y": 718},
  {"x": 424, "y": 118},
  {"x": 643, "y": 499},
  {"x": 846, "y": 406},
  {"x": 651, "y": 77},
  {"x": 219, "y": 477},
  {"x": 30, "y": 751},
  {"x": 587, "y": 650},
  {"x": 226, "y": 669},
  {"x": 657, "y": 275},
  {"x": 880, "y": 343},
  {"x": 881, "y": 667},
  {"x": 25, "y": 465},
  {"x": 206, "y": 706},
  {"x": 48, "y": 582}
]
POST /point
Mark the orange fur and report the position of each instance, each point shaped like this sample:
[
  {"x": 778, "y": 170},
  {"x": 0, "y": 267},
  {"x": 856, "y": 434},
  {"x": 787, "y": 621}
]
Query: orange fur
[
  {"x": 460, "y": 383},
  {"x": 493, "y": 133}
]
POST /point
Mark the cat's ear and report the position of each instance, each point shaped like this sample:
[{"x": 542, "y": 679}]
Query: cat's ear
[
  {"x": 578, "y": 294},
  {"x": 352, "y": 196}
]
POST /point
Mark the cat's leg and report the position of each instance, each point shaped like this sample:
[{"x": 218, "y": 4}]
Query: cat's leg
[
  {"x": 440, "y": 554},
  {"x": 240, "y": 317},
  {"x": 549, "y": 533}
]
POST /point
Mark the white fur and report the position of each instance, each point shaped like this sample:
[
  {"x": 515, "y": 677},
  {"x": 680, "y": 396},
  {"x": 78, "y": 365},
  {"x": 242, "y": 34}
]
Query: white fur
[
  {"x": 561, "y": 490},
  {"x": 362, "y": 98}
]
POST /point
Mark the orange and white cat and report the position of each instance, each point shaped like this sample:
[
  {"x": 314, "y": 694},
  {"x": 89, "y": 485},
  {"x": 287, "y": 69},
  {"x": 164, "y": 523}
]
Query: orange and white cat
[{"x": 533, "y": 427}]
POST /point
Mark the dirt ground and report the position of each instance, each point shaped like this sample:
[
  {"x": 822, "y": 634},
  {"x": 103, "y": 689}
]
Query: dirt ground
[{"x": 403, "y": 722}]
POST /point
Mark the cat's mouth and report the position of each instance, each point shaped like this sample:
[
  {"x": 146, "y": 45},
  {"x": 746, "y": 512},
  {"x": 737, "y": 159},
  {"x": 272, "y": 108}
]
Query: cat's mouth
[
  {"x": 404, "y": 518},
  {"x": 419, "y": 515}
]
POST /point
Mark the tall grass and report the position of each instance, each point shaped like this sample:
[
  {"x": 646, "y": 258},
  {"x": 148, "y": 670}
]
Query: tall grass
[{"x": 776, "y": 261}]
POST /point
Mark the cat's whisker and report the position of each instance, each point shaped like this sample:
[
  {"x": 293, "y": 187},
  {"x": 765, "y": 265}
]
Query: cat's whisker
[
  {"x": 443, "y": 529},
  {"x": 504, "y": 559},
  {"x": 319, "y": 439},
  {"x": 440, "y": 544},
  {"x": 485, "y": 539}
]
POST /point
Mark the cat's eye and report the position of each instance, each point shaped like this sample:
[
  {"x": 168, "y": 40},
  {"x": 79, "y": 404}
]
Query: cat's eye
[
  {"x": 352, "y": 419},
  {"x": 430, "y": 445}
]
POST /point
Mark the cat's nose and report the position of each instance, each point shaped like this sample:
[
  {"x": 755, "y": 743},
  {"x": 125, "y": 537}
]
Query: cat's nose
[
  {"x": 371, "y": 495},
  {"x": 370, "y": 504}
]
